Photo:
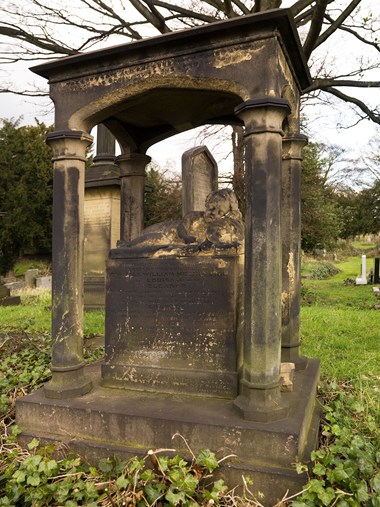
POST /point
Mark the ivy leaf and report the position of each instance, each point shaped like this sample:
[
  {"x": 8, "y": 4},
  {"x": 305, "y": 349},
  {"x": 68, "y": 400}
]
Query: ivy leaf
[
  {"x": 105, "y": 465},
  {"x": 33, "y": 480},
  {"x": 33, "y": 444},
  {"x": 375, "y": 482},
  {"x": 300, "y": 468},
  {"x": 326, "y": 496},
  {"x": 319, "y": 469},
  {"x": 207, "y": 459},
  {"x": 122, "y": 482},
  {"x": 153, "y": 492},
  {"x": 19, "y": 475},
  {"x": 175, "y": 498},
  {"x": 338, "y": 475}
]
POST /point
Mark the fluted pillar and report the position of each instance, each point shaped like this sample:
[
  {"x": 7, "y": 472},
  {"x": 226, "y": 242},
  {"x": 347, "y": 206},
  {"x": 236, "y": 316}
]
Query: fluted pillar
[
  {"x": 132, "y": 174},
  {"x": 69, "y": 156},
  {"x": 291, "y": 249},
  {"x": 260, "y": 396}
]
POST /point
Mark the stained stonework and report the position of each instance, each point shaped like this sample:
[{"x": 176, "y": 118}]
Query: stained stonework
[
  {"x": 247, "y": 71},
  {"x": 101, "y": 227},
  {"x": 171, "y": 324}
]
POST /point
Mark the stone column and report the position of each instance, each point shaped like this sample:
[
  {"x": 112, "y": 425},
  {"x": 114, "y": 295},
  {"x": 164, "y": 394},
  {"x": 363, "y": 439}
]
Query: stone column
[
  {"x": 291, "y": 249},
  {"x": 69, "y": 156},
  {"x": 260, "y": 396},
  {"x": 132, "y": 174}
]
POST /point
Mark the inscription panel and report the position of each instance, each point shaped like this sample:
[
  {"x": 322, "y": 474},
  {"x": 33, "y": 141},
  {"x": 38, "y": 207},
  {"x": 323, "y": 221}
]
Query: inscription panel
[
  {"x": 97, "y": 230},
  {"x": 172, "y": 313},
  {"x": 203, "y": 185}
]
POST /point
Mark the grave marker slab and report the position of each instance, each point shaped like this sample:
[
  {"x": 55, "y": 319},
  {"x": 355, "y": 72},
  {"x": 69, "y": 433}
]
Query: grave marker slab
[
  {"x": 171, "y": 324},
  {"x": 199, "y": 178}
]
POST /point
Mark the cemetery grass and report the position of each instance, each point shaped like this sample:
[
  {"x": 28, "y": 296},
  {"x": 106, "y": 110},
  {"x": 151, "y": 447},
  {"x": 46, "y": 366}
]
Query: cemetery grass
[{"x": 340, "y": 325}]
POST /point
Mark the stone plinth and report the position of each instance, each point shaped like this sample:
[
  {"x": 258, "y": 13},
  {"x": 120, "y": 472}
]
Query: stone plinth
[
  {"x": 171, "y": 324},
  {"x": 126, "y": 423}
]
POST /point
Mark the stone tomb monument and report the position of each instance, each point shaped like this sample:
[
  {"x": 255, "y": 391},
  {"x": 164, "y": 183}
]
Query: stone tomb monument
[
  {"x": 101, "y": 217},
  {"x": 214, "y": 380},
  {"x": 199, "y": 178},
  {"x": 173, "y": 297}
]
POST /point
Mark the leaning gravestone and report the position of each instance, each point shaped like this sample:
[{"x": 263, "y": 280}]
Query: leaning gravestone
[{"x": 199, "y": 178}]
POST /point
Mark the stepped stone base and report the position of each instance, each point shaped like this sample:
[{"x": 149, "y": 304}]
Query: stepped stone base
[{"x": 111, "y": 421}]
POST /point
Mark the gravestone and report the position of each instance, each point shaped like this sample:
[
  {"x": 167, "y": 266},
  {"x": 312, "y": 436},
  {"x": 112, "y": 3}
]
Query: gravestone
[
  {"x": 199, "y": 178},
  {"x": 249, "y": 71},
  {"x": 6, "y": 299},
  {"x": 171, "y": 324},
  {"x": 44, "y": 282},
  {"x": 30, "y": 278},
  {"x": 376, "y": 275},
  {"x": 173, "y": 303},
  {"x": 101, "y": 217},
  {"x": 362, "y": 280}
]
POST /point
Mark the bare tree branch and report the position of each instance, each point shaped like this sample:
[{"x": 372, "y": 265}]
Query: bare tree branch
[
  {"x": 335, "y": 25},
  {"x": 38, "y": 29},
  {"x": 39, "y": 42},
  {"x": 315, "y": 27},
  {"x": 299, "y": 6},
  {"x": 371, "y": 114},
  {"x": 324, "y": 84},
  {"x": 353, "y": 32}
]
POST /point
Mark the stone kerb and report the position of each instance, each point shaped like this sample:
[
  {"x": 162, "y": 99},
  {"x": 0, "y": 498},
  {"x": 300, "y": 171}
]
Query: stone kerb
[{"x": 199, "y": 178}]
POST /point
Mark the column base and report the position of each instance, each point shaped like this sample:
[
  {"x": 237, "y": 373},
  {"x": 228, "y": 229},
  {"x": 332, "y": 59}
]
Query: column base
[
  {"x": 68, "y": 384},
  {"x": 261, "y": 404}
]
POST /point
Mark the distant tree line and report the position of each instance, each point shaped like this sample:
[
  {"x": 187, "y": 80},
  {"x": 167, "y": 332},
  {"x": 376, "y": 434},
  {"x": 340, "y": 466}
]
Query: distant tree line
[
  {"x": 329, "y": 211},
  {"x": 25, "y": 191}
]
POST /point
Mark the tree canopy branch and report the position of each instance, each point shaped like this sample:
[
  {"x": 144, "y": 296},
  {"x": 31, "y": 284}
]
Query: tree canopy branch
[
  {"x": 315, "y": 27},
  {"x": 335, "y": 25},
  {"x": 373, "y": 115}
]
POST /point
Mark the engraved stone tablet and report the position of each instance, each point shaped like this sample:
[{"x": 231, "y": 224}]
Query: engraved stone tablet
[
  {"x": 101, "y": 227},
  {"x": 199, "y": 178},
  {"x": 171, "y": 324}
]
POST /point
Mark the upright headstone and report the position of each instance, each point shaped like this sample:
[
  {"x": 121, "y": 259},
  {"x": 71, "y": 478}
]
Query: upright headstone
[
  {"x": 376, "y": 275},
  {"x": 30, "y": 278},
  {"x": 362, "y": 280},
  {"x": 101, "y": 217},
  {"x": 199, "y": 178}
]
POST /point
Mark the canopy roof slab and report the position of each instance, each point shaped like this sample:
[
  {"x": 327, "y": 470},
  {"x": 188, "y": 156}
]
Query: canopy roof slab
[{"x": 149, "y": 90}]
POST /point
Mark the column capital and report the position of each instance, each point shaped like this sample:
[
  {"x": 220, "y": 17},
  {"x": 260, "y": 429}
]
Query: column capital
[
  {"x": 262, "y": 102},
  {"x": 69, "y": 144},
  {"x": 292, "y": 145},
  {"x": 132, "y": 164},
  {"x": 264, "y": 114}
]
